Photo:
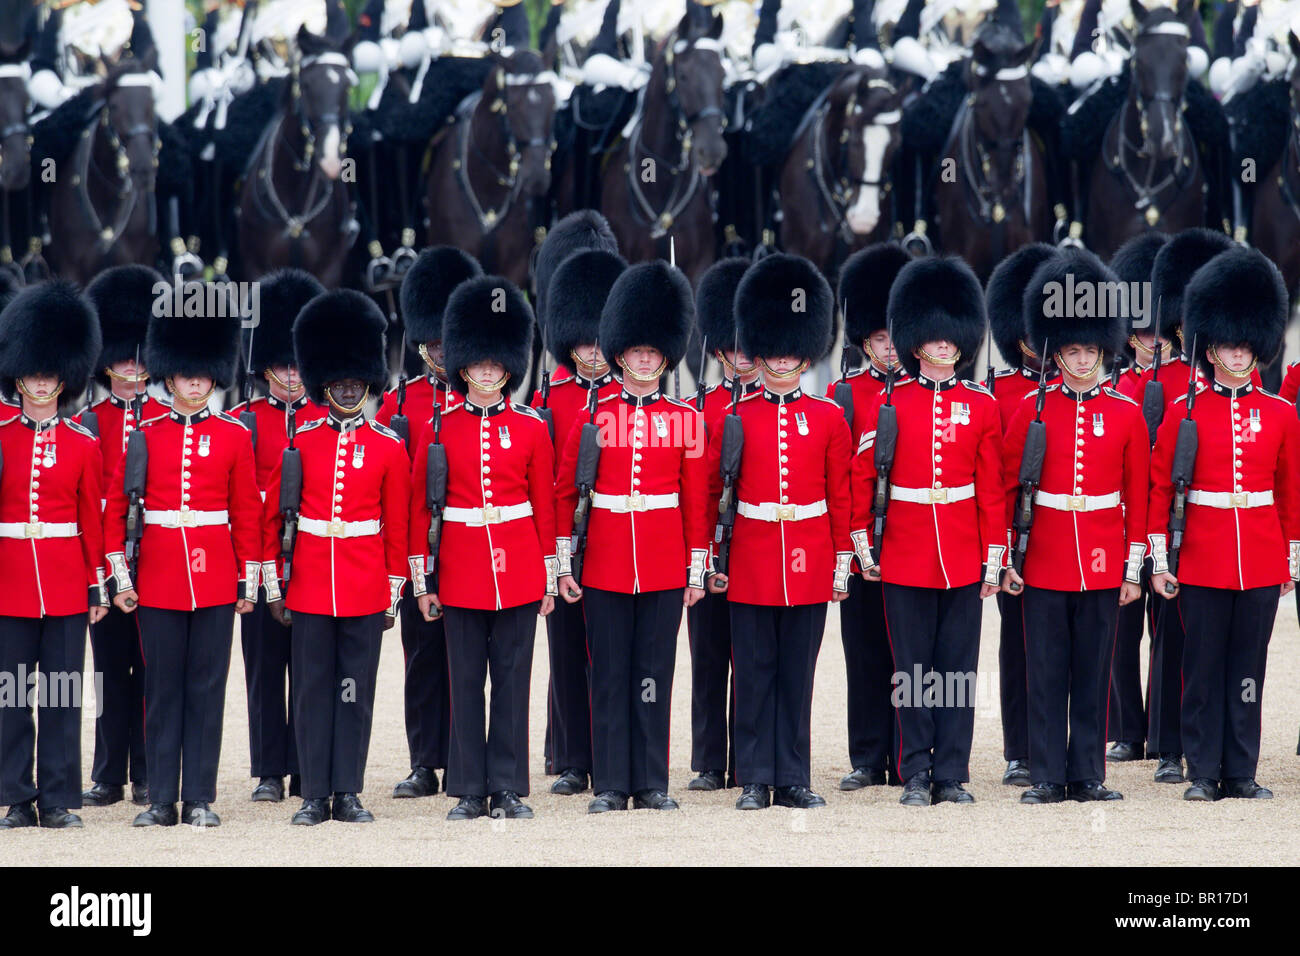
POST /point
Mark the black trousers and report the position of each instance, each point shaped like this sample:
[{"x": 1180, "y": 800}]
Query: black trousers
[
  {"x": 1223, "y": 677},
  {"x": 187, "y": 654},
  {"x": 335, "y": 660},
  {"x": 1069, "y": 639},
  {"x": 269, "y": 685},
  {"x": 775, "y": 655},
  {"x": 713, "y": 732},
  {"x": 935, "y": 637},
  {"x": 1014, "y": 698},
  {"x": 58, "y": 646},
  {"x": 1165, "y": 678},
  {"x": 119, "y": 728},
  {"x": 427, "y": 696},
  {"x": 480, "y": 644},
  {"x": 632, "y": 639},
  {"x": 1126, "y": 720},
  {"x": 873, "y": 733},
  {"x": 568, "y": 698}
]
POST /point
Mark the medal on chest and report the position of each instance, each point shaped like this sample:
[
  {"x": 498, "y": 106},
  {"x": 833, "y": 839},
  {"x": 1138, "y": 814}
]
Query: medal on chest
[
  {"x": 358, "y": 455},
  {"x": 205, "y": 446},
  {"x": 503, "y": 433},
  {"x": 50, "y": 455},
  {"x": 1255, "y": 424},
  {"x": 801, "y": 422},
  {"x": 960, "y": 413},
  {"x": 661, "y": 426},
  {"x": 1098, "y": 424}
]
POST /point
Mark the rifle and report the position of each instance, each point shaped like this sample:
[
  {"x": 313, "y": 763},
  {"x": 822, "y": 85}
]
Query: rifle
[
  {"x": 248, "y": 418},
  {"x": 677, "y": 369},
  {"x": 1153, "y": 399},
  {"x": 1031, "y": 472},
  {"x": 733, "y": 446},
  {"x": 399, "y": 422},
  {"x": 134, "y": 480},
  {"x": 585, "y": 479},
  {"x": 548, "y": 416},
  {"x": 843, "y": 390},
  {"x": 1116, "y": 370},
  {"x": 699, "y": 385},
  {"x": 1181, "y": 472},
  {"x": 290, "y": 496},
  {"x": 435, "y": 497},
  {"x": 883, "y": 456},
  {"x": 89, "y": 418},
  {"x": 990, "y": 375}
]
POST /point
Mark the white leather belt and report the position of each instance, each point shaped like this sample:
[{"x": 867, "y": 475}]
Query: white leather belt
[
  {"x": 186, "y": 519},
  {"x": 492, "y": 514},
  {"x": 38, "y": 529},
  {"x": 338, "y": 529},
  {"x": 622, "y": 504},
  {"x": 932, "y": 496},
  {"x": 771, "y": 511},
  {"x": 1077, "y": 502},
  {"x": 1229, "y": 500}
]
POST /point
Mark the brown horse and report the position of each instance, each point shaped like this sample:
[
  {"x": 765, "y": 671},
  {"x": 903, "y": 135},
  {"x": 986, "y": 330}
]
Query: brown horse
[
  {"x": 1150, "y": 175},
  {"x": 991, "y": 193},
  {"x": 834, "y": 191},
  {"x": 1276, "y": 218},
  {"x": 15, "y": 150},
  {"x": 655, "y": 182},
  {"x": 105, "y": 212},
  {"x": 490, "y": 170},
  {"x": 294, "y": 208}
]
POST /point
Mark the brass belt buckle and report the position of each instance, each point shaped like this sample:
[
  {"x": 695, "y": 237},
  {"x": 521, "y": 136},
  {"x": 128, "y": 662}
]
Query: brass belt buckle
[
  {"x": 1076, "y": 502},
  {"x": 491, "y": 514},
  {"x": 335, "y": 528},
  {"x": 785, "y": 512},
  {"x": 34, "y": 529},
  {"x": 636, "y": 502},
  {"x": 1239, "y": 499},
  {"x": 188, "y": 519},
  {"x": 938, "y": 496}
]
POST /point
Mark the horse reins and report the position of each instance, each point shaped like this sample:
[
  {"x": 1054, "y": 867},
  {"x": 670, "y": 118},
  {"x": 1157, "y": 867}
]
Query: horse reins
[
  {"x": 976, "y": 163},
  {"x": 837, "y": 197},
  {"x": 1290, "y": 159},
  {"x": 120, "y": 179}
]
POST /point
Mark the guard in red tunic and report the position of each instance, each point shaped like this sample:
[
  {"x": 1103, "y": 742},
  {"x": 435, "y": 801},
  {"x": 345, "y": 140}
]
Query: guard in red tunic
[
  {"x": 1241, "y": 548},
  {"x": 198, "y": 560},
  {"x": 349, "y": 557},
  {"x": 425, "y": 291},
  {"x": 51, "y": 547},
  {"x": 266, "y": 642},
  {"x": 647, "y": 543},
  {"x": 1171, "y": 271},
  {"x": 495, "y": 568},
  {"x": 945, "y": 538},
  {"x": 865, "y": 281},
  {"x": 1126, "y": 720},
  {"x": 790, "y": 551},
  {"x": 1083, "y": 559},
  {"x": 123, "y": 298},
  {"x": 708, "y": 621},
  {"x": 577, "y": 265},
  {"x": 1004, "y": 300}
]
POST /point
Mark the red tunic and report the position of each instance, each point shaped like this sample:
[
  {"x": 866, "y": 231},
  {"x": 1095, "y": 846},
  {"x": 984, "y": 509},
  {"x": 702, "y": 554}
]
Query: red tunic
[
  {"x": 866, "y": 383},
  {"x": 797, "y": 453},
  {"x": 568, "y": 403},
  {"x": 116, "y": 421},
  {"x": 418, "y": 409},
  {"x": 354, "y": 471},
  {"x": 1010, "y": 386},
  {"x": 1235, "y": 548},
  {"x": 650, "y": 446},
  {"x": 949, "y": 437},
  {"x": 1096, "y": 446},
  {"x": 51, "y": 476},
  {"x": 272, "y": 439},
  {"x": 1131, "y": 381},
  {"x": 496, "y": 457},
  {"x": 200, "y": 463},
  {"x": 1173, "y": 376},
  {"x": 1290, "y": 383}
]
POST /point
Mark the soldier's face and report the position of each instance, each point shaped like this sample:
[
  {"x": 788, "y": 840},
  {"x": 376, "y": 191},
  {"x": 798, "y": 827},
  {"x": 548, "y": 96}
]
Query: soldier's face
[
  {"x": 487, "y": 375},
  {"x": 127, "y": 368},
  {"x": 435, "y": 352},
  {"x": 590, "y": 355},
  {"x": 784, "y": 364},
  {"x": 941, "y": 351},
  {"x": 643, "y": 360},
  {"x": 1081, "y": 361},
  {"x": 288, "y": 376},
  {"x": 1237, "y": 358},
  {"x": 1148, "y": 339},
  {"x": 39, "y": 388},
  {"x": 193, "y": 390},
  {"x": 879, "y": 346},
  {"x": 348, "y": 392}
]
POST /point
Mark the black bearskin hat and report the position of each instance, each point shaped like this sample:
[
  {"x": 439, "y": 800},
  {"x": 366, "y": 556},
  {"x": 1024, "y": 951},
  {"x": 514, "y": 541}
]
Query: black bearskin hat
[
  {"x": 1132, "y": 263},
  {"x": 865, "y": 281},
  {"x": 49, "y": 328},
  {"x": 1173, "y": 268},
  {"x": 197, "y": 345},
  {"x": 123, "y": 297},
  {"x": 9, "y": 287},
  {"x": 281, "y": 296},
  {"x": 1053, "y": 313},
  {"x": 715, "y": 303},
  {"x": 1004, "y": 298},
  {"x": 784, "y": 307},
  {"x": 650, "y": 304},
  {"x": 476, "y": 329},
  {"x": 427, "y": 286},
  {"x": 583, "y": 229},
  {"x": 580, "y": 285},
  {"x": 340, "y": 335},
  {"x": 935, "y": 300},
  {"x": 1237, "y": 298}
]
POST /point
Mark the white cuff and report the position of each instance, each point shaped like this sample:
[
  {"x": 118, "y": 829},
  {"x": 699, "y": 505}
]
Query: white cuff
[
  {"x": 395, "y": 585},
  {"x": 1159, "y": 554},
  {"x": 1133, "y": 566},
  {"x": 993, "y": 566},
  {"x": 843, "y": 562},
  {"x": 699, "y": 567},
  {"x": 99, "y": 593},
  {"x": 121, "y": 574},
  {"x": 416, "y": 563},
  {"x": 563, "y": 556},
  {"x": 1294, "y": 560},
  {"x": 250, "y": 580},
  {"x": 862, "y": 548},
  {"x": 271, "y": 582},
  {"x": 552, "y": 576}
]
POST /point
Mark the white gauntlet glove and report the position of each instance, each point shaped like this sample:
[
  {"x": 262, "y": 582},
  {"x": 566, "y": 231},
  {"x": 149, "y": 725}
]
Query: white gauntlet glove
[
  {"x": 843, "y": 562},
  {"x": 699, "y": 567},
  {"x": 563, "y": 556},
  {"x": 993, "y": 566},
  {"x": 1159, "y": 554},
  {"x": 271, "y": 582},
  {"x": 416, "y": 563},
  {"x": 862, "y": 548},
  {"x": 552, "y": 576},
  {"x": 121, "y": 574},
  {"x": 1133, "y": 566}
]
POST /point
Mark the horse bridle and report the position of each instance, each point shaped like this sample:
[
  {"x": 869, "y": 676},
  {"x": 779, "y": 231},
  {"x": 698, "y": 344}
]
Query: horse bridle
[
  {"x": 1291, "y": 153},
  {"x": 20, "y": 72},
  {"x": 837, "y": 195},
  {"x": 683, "y": 190},
  {"x": 325, "y": 119},
  {"x": 974, "y": 157}
]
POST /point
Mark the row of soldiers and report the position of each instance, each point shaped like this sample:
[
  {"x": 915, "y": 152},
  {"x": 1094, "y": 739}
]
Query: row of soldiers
[{"x": 908, "y": 501}]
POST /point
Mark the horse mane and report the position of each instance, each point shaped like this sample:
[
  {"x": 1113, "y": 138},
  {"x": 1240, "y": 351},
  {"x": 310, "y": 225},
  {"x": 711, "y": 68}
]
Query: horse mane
[{"x": 1262, "y": 117}]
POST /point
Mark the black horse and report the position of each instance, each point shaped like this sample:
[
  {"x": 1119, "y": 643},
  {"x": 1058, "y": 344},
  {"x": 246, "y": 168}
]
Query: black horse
[{"x": 15, "y": 147}]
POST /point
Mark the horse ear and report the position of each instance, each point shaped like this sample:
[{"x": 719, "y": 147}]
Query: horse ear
[
  {"x": 1139, "y": 11},
  {"x": 715, "y": 27},
  {"x": 1025, "y": 54},
  {"x": 309, "y": 44},
  {"x": 149, "y": 62},
  {"x": 1294, "y": 43}
]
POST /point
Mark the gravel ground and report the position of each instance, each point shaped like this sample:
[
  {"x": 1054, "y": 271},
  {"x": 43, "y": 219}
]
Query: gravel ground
[{"x": 1152, "y": 826}]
